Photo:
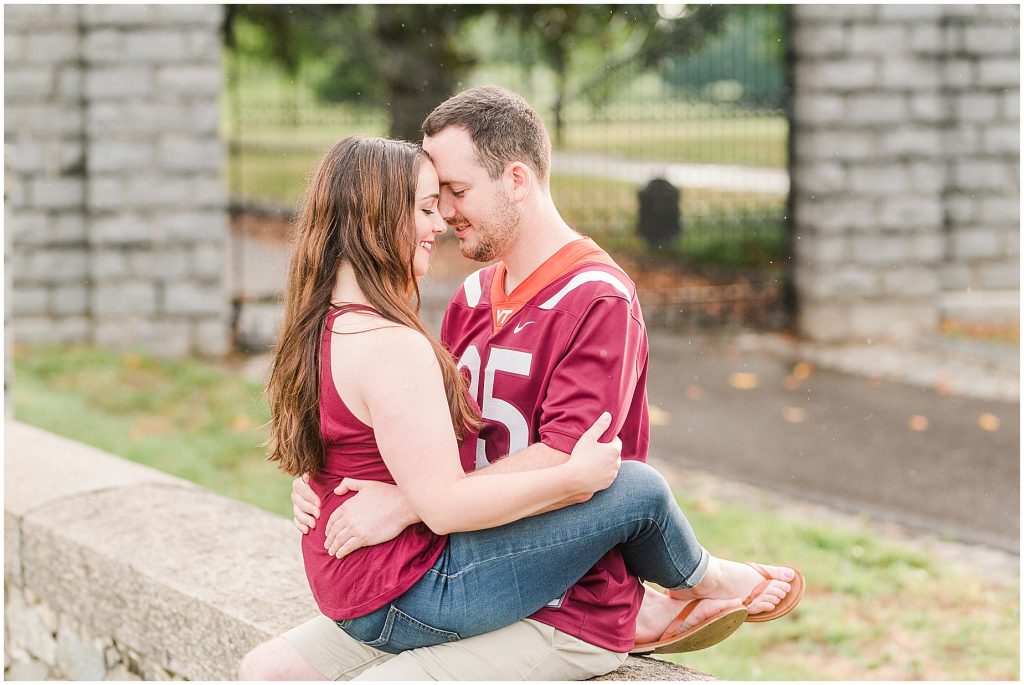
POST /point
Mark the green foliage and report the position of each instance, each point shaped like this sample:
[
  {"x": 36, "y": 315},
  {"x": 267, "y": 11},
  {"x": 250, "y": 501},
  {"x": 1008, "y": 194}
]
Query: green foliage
[
  {"x": 737, "y": 241},
  {"x": 744, "y": 62},
  {"x": 407, "y": 58},
  {"x": 586, "y": 46},
  {"x": 720, "y": 229},
  {"x": 401, "y": 58}
]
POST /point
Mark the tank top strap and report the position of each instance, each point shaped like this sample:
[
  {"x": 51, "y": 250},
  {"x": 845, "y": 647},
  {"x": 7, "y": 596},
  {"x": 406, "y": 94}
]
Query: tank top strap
[{"x": 345, "y": 307}]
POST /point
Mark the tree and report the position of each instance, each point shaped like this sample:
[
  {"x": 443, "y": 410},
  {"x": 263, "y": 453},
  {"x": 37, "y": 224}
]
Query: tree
[
  {"x": 405, "y": 58},
  {"x": 621, "y": 34},
  {"x": 749, "y": 50},
  {"x": 408, "y": 58}
]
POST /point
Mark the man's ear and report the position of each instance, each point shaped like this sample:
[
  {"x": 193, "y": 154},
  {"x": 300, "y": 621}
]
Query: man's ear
[{"x": 522, "y": 180}]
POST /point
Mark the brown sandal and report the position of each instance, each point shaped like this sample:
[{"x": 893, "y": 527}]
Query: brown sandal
[
  {"x": 712, "y": 631},
  {"x": 792, "y": 598}
]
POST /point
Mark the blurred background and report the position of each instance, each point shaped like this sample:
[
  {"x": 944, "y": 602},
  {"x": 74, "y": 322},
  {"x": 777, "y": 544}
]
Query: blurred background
[
  {"x": 693, "y": 95},
  {"x": 819, "y": 206}
]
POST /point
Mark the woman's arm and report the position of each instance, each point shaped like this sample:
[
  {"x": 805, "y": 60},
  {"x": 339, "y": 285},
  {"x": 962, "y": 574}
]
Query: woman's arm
[
  {"x": 408, "y": 410},
  {"x": 306, "y": 505},
  {"x": 380, "y": 512}
]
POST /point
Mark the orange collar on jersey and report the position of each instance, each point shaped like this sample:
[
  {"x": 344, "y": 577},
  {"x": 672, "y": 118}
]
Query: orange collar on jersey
[{"x": 576, "y": 253}]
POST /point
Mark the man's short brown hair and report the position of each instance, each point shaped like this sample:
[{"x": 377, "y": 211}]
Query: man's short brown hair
[{"x": 501, "y": 124}]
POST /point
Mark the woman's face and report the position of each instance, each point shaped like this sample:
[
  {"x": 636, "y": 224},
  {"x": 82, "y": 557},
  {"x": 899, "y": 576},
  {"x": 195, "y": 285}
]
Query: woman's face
[{"x": 427, "y": 222}]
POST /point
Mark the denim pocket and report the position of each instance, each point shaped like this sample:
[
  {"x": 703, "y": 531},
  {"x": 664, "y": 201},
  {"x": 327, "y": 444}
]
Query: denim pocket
[{"x": 401, "y": 632}]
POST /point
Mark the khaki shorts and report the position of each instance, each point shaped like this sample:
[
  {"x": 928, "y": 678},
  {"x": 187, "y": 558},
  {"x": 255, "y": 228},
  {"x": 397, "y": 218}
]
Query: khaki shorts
[{"x": 526, "y": 650}]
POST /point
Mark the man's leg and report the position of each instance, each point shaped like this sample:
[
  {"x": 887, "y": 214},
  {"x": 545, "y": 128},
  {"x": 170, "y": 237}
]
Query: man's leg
[
  {"x": 527, "y": 650},
  {"x": 316, "y": 650}
]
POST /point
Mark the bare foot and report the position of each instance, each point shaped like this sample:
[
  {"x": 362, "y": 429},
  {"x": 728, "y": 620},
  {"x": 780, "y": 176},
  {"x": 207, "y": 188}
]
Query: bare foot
[
  {"x": 659, "y": 610},
  {"x": 725, "y": 579}
]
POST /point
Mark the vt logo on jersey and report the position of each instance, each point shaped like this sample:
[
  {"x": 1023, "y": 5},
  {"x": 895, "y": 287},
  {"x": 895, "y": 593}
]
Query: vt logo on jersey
[{"x": 502, "y": 316}]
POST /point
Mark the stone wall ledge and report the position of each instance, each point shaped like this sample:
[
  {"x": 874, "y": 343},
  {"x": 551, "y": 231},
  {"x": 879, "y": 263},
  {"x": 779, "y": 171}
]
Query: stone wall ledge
[{"x": 161, "y": 577}]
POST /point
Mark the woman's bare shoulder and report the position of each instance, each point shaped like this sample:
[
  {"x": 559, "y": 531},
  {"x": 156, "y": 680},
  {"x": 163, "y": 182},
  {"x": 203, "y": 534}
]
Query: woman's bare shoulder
[{"x": 379, "y": 340}]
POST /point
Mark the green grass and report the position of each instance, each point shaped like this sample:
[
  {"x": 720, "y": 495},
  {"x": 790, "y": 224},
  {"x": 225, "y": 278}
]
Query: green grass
[
  {"x": 578, "y": 192},
  {"x": 275, "y": 175},
  {"x": 720, "y": 228},
  {"x": 754, "y": 141},
  {"x": 271, "y": 110},
  {"x": 747, "y": 140},
  {"x": 263, "y": 104},
  {"x": 874, "y": 609},
  {"x": 280, "y": 130},
  {"x": 278, "y": 173},
  {"x": 188, "y": 418},
  {"x": 740, "y": 239}
]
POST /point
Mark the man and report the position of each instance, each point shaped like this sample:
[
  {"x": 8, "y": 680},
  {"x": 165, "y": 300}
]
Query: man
[{"x": 550, "y": 336}]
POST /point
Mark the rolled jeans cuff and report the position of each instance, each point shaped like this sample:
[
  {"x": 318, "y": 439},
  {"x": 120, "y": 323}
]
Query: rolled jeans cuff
[{"x": 698, "y": 572}]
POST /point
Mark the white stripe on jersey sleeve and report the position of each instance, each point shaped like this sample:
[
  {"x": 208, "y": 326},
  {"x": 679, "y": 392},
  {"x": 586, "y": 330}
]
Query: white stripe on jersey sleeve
[
  {"x": 473, "y": 288},
  {"x": 587, "y": 277}
]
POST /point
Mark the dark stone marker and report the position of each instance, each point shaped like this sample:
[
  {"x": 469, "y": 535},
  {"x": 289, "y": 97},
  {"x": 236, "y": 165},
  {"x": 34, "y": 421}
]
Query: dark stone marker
[{"x": 659, "y": 222}]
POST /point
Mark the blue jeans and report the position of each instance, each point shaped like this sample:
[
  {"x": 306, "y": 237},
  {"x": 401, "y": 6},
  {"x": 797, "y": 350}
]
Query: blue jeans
[{"x": 488, "y": 579}]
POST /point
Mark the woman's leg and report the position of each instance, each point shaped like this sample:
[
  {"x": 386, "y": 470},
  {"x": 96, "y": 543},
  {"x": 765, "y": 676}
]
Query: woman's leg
[{"x": 490, "y": 578}]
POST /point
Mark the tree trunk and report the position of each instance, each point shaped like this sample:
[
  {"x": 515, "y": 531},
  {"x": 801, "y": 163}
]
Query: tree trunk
[
  {"x": 420, "y": 70},
  {"x": 561, "y": 64}
]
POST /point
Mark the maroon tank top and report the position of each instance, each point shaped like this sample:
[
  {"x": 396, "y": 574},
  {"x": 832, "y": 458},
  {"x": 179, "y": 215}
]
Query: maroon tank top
[{"x": 370, "y": 577}]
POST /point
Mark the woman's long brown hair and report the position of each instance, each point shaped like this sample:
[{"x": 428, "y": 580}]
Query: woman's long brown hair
[{"x": 358, "y": 209}]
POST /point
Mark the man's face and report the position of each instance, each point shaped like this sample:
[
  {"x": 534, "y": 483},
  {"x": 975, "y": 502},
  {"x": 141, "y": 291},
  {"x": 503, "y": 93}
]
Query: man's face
[{"x": 480, "y": 211}]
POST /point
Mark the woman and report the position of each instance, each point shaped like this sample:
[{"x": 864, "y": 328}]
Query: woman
[{"x": 373, "y": 409}]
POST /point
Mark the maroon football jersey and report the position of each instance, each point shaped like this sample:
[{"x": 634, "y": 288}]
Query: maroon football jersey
[{"x": 543, "y": 363}]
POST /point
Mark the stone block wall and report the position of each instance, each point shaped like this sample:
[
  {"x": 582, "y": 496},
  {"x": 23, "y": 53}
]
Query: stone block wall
[
  {"x": 115, "y": 201},
  {"x": 905, "y": 167},
  {"x": 115, "y": 571}
]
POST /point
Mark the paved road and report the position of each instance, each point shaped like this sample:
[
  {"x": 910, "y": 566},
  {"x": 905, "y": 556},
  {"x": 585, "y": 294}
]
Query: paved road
[{"x": 838, "y": 439}]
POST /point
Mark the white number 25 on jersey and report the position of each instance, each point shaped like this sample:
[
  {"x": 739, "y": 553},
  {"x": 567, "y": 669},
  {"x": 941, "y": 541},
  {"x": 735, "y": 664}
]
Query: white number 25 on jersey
[{"x": 492, "y": 408}]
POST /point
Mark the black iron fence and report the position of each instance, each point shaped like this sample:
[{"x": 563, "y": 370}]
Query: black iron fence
[{"x": 712, "y": 124}]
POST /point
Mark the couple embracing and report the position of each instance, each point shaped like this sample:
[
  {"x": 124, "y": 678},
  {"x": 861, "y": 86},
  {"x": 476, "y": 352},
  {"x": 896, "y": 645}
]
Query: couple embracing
[{"x": 479, "y": 507}]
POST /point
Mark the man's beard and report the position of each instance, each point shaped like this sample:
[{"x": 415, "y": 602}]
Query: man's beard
[{"x": 494, "y": 237}]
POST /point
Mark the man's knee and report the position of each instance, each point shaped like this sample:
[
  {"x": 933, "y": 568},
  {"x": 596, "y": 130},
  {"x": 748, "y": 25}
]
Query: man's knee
[{"x": 276, "y": 660}]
